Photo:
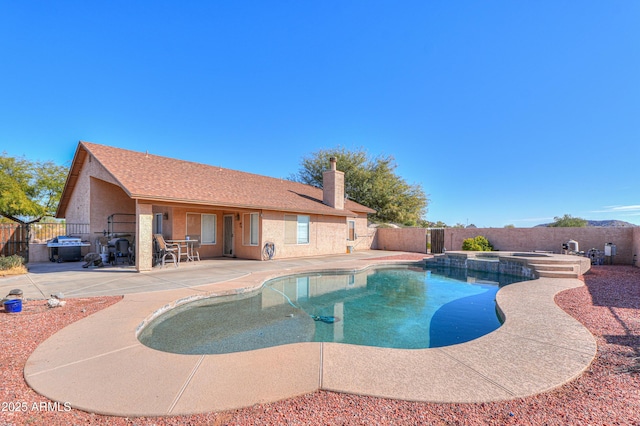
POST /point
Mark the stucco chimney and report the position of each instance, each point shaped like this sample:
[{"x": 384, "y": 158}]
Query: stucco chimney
[{"x": 333, "y": 186}]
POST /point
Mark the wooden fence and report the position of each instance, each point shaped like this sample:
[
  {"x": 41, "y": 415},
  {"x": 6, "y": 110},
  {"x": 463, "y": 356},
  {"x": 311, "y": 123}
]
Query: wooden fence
[{"x": 14, "y": 239}]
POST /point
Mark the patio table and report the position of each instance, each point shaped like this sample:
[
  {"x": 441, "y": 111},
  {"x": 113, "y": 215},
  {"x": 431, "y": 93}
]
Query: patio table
[{"x": 187, "y": 245}]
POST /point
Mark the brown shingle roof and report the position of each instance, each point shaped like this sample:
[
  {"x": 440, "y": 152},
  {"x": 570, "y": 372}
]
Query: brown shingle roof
[{"x": 147, "y": 176}]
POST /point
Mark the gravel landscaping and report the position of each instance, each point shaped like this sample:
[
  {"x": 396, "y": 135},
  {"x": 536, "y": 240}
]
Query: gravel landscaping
[{"x": 608, "y": 393}]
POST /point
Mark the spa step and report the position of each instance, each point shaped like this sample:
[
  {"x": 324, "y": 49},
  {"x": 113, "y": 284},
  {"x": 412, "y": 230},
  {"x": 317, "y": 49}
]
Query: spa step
[
  {"x": 557, "y": 274},
  {"x": 556, "y": 267},
  {"x": 548, "y": 261}
]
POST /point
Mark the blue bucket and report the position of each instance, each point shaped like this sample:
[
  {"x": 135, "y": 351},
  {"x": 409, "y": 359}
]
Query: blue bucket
[{"x": 13, "y": 306}]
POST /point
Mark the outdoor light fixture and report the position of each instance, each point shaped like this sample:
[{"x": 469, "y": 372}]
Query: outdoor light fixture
[{"x": 166, "y": 215}]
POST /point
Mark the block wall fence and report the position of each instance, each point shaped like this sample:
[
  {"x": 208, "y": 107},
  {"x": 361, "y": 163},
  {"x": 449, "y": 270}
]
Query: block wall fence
[{"x": 627, "y": 240}]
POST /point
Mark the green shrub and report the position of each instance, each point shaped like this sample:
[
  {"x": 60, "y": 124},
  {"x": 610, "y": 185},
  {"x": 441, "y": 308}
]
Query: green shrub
[
  {"x": 478, "y": 243},
  {"x": 10, "y": 262}
]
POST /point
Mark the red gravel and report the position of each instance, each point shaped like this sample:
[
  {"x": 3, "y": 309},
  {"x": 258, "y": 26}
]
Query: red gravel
[{"x": 608, "y": 393}]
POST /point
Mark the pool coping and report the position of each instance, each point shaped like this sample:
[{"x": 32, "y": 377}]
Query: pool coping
[{"x": 98, "y": 365}]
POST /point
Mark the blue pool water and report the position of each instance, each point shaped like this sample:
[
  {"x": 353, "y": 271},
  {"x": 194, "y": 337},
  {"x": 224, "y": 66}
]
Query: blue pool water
[{"x": 402, "y": 307}]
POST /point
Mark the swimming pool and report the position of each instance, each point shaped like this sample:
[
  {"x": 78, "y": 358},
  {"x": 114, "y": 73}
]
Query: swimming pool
[{"x": 400, "y": 307}]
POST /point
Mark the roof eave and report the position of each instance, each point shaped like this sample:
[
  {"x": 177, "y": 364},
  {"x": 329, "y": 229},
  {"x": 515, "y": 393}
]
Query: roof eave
[
  {"x": 325, "y": 212},
  {"x": 72, "y": 179}
]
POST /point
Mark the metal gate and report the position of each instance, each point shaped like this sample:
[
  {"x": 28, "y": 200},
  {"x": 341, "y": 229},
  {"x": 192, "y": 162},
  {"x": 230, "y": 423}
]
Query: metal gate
[
  {"x": 14, "y": 239},
  {"x": 435, "y": 240}
]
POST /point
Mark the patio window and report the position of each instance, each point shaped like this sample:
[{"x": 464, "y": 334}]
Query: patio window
[
  {"x": 203, "y": 226},
  {"x": 296, "y": 229},
  {"x": 208, "y": 229},
  {"x": 250, "y": 233},
  {"x": 351, "y": 225}
]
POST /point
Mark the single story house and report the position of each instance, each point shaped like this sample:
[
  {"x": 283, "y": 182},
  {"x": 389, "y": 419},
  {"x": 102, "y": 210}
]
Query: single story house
[{"x": 231, "y": 213}]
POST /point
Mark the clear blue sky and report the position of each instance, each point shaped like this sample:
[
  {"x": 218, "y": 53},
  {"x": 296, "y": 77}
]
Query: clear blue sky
[{"x": 506, "y": 112}]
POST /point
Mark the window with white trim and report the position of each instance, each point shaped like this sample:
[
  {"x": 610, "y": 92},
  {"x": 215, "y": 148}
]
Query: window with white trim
[
  {"x": 250, "y": 229},
  {"x": 208, "y": 227},
  {"x": 296, "y": 229},
  {"x": 202, "y": 227}
]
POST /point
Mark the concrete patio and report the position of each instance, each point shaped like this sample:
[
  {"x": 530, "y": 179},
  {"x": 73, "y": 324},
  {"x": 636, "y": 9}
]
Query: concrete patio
[{"x": 98, "y": 365}]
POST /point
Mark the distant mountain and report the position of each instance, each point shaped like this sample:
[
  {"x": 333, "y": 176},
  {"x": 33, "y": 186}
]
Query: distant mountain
[{"x": 604, "y": 223}]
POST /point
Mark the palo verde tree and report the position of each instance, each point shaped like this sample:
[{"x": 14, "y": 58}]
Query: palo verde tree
[
  {"x": 369, "y": 181},
  {"x": 29, "y": 190},
  {"x": 567, "y": 221}
]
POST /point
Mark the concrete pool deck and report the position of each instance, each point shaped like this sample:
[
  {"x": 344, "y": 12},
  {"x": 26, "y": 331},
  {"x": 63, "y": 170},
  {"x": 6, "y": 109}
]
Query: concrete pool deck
[{"x": 98, "y": 365}]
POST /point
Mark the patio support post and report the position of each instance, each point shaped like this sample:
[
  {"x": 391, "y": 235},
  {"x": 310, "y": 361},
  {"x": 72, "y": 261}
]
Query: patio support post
[{"x": 144, "y": 237}]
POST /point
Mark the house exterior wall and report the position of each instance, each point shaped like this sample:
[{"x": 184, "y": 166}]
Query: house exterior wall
[
  {"x": 327, "y": 234},
  {"x": 79, "y": 209},
  {"x": 167, "y": 223},
  {"x": 94, "y": 198},
  {"x": 108, "y": 199},
  {"x": 79, "y": 204},
  {"x": 175, "y": 228},
  {"x": 242, "y": 248}
]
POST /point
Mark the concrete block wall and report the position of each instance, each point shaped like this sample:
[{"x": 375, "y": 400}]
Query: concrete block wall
[
  {"x": 402, "y": 239},
  {"x": 627, "y": 240},
  {"x": 549, "y": 239},
  {"x": 38, "y": 252},
  {"x": 636, "y": 246}
]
